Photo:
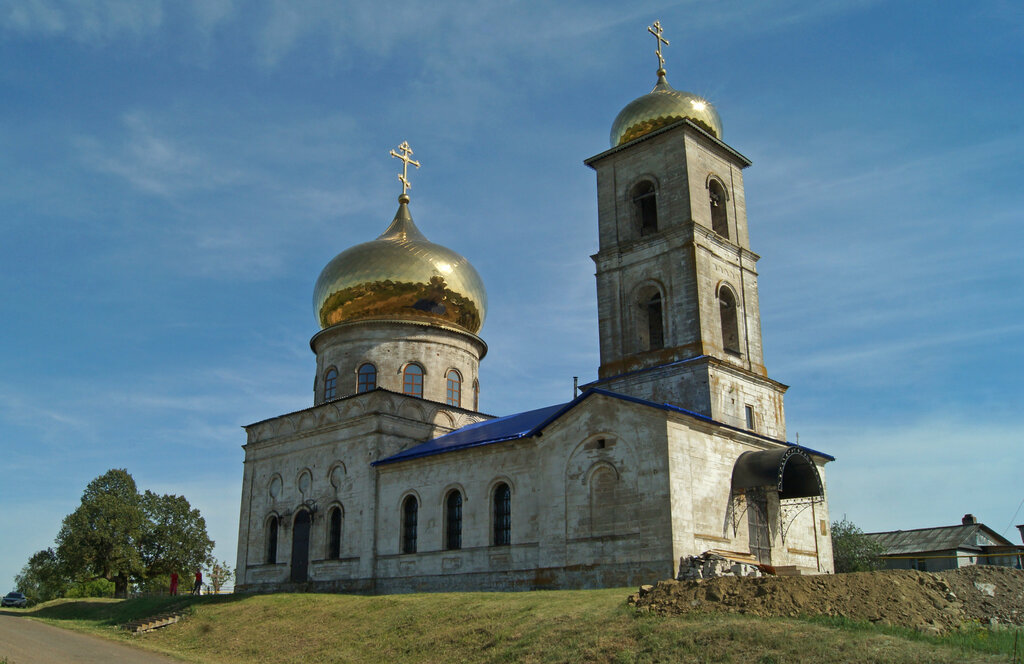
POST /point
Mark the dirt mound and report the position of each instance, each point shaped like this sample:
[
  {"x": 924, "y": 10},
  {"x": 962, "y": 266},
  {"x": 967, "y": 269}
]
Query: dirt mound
[{"x": 934, "y": 602}]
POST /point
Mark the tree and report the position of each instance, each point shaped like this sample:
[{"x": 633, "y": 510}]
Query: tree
[
  {"x": 852, "y": 550},
  {"x": 124, "y": 537},
  {"x": 174, "y": 536},
  {"x": 219, "y": 574},
  {"x": 100, "y": 539},
  {"x": 43, "y": 577}
]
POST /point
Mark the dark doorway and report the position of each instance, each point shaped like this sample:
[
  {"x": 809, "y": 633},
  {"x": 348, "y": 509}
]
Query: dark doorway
[
  {"x": 757, "y": 520},
  {"x": 300, "y": 548}
]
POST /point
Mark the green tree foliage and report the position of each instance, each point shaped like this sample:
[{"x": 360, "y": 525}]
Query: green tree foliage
[
  {"x": 125, "y": 537},
  {"x": 852, "y": 550},
  {"x": 101, "y": 538},
  {"x": 43, "y": 578},
  {"x": 174, "y": 536}
]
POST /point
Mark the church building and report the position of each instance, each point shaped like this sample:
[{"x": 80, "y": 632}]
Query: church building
[{"x": 393, "y": 481}]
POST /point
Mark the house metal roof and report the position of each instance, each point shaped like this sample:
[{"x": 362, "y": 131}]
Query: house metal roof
[
  {"x": 971, "y": 537},
  {"x": 532, "y": 422}
]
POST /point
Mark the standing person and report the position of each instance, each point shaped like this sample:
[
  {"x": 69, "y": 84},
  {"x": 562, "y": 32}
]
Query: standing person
[
  {"x": 174, "y": 583},
  {"x": 199, "y": 583}
]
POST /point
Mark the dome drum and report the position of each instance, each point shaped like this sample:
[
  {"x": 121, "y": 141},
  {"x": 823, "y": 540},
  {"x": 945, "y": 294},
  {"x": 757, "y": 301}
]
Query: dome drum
[{"x": 390, "y": 345}]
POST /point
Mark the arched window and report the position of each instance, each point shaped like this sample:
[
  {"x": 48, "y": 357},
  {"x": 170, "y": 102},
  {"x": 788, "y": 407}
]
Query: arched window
[
  {"x": 334, "y": 533},
  {"x": 730, "y": 320},
  {"x": 603, "y": 485},
  {"x": 502, "y": 515},
  {"x": 655, "y": 326},
  {"x": 410, "y": 512},
  {"x": 412, "y": 383},
  {"x": 366, "y": 379},
  {"x": 453, "y": 520},
  {"x": 719, "y": 215},
  {"x": 645, "y": 204},
  {"x": 650, "y": 320},
  {"x": 453, "y": 393},
  {"x": 272, "y": 540},
  {"x": 331, "y": 383}
]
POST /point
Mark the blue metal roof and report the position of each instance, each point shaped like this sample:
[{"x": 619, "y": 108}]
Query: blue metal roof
[
  {"x": 510, "y": 427},
  {"x": 532, "y": 422}
]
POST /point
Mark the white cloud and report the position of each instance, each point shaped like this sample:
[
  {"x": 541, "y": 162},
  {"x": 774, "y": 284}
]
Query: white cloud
[
  {"x": 89, "y": 21},
  {"x": 902, "y": 475}
]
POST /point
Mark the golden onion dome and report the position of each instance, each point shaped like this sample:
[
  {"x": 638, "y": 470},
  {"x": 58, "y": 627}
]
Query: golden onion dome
[
  {"x": 661, "y": 107},
  {"x": 400, "y": 276}
]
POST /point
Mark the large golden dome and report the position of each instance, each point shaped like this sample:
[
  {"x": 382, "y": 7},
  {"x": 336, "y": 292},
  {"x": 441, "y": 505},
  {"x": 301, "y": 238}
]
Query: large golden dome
[
  {"x": 661, "y": 107},
  {"x": 400, "y": 276}
]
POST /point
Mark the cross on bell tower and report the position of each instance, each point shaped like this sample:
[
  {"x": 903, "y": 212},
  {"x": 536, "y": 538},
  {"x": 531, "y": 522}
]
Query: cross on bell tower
[
  {"x": 656, "y": 31},
  {"x": 407, "y": 159}
]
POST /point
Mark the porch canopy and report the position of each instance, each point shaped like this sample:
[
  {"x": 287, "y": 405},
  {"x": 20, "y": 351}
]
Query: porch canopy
[{"x": 789, "y": 469}]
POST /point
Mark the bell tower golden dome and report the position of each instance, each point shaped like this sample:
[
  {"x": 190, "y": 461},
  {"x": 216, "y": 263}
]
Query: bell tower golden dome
[{"x": 662, "y": 106}]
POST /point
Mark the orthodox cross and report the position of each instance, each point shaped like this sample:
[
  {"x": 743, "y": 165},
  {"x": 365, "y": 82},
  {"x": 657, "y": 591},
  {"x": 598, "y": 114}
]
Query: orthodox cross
[
  {"x": 406, "y": 160},
  {"x": 656, "y": 31}
]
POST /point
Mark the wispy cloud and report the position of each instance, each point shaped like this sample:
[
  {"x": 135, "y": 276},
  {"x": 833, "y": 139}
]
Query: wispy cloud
[
  {"x": 92, "y": 21},
  {"x": 880, "y": 470}
]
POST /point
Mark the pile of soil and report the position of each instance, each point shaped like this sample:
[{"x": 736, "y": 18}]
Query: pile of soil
[{"x": 932, "y": 602}]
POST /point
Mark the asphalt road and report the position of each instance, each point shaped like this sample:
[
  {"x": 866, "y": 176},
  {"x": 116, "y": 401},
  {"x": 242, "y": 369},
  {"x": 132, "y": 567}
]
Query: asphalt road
[{"x": 24, "y": 641}]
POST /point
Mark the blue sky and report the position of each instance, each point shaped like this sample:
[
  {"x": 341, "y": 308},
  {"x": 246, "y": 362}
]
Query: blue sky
[{"x": 174, "y": 175}]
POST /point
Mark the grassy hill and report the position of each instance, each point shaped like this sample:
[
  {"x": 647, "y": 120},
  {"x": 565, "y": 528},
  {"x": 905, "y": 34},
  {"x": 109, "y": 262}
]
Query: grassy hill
[{"x": 552, "y": 626}]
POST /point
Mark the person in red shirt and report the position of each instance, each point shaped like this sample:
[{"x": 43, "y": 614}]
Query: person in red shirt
[
  {"x": 174, "y": 583},
  {"x": 199, "y": 583}
]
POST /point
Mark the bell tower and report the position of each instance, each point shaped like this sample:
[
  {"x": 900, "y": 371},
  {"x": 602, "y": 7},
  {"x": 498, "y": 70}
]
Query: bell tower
[{"x": 677, "y": 295}]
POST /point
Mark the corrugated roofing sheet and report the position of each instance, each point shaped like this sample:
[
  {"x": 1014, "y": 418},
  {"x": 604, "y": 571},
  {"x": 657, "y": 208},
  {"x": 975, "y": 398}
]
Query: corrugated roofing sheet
[
  {"x": 529, "y": 423},
  {"x": 944, "y": 538},
  {"x": 497, "y": 430}
]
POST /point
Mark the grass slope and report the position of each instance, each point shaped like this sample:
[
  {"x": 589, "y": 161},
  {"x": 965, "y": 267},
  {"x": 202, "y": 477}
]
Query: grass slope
[{"x": 552, "y": 626}]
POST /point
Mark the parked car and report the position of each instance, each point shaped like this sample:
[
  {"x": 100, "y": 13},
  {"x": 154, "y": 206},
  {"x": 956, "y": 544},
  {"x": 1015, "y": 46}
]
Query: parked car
[{"x": 14, "y": 599}]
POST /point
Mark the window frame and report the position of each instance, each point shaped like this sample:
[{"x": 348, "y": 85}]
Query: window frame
[
  {"x": 407, "y": 374},
  {"x": 366, "y": 381},
  {"x": 453, "y": 520},
  {"x": 273, "y": 539},
  {"x": 501, "y": 514},
  {"x": 410, "y": 523},
  {"x": 331, "y": 383},
  {"x": 453, "y": 395},
  {"x": 335, "y": 520}
]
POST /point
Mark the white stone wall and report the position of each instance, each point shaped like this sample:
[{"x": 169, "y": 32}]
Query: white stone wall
[
  {"x": 705, "y": 516},
  {"x": 612, "y": 493},
  {"x": 323, "y": 454}
]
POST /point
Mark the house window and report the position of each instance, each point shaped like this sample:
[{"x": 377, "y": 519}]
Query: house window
[
  {"x": 748, "y": 411},
  {"x": 730, "y": 321},
  {"x": 334, "y": 535},
  {"x": 719, "y": 214},
  {"x": 366, "y": 379},
  {"x": 412, "y": 383},
  {"x": 645, "y": 204},
  {"x": 502, "y": 515},
  {"x": 453, "y": 393},
  {"x": 331, "y": 383},
  {"x": 453, "y": 520},
  {"x": 272, "y": 540}
]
